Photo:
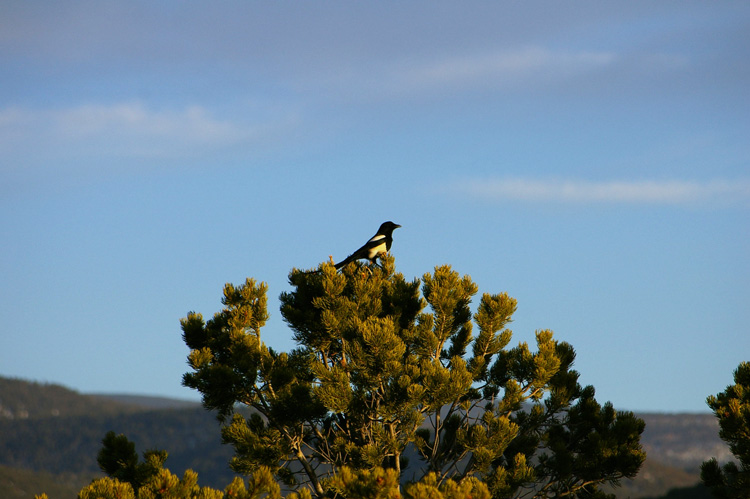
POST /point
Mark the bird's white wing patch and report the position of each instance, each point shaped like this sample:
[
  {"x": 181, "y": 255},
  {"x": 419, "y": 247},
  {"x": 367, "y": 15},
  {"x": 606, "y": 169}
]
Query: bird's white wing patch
[{"x": 376, "y": 249}]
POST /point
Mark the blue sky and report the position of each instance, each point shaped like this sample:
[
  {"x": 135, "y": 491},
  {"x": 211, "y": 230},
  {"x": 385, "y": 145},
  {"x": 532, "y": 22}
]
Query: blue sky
[{"x": 590, "y": 158}]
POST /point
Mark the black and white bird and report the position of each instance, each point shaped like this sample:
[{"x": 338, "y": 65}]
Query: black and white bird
[{"x": 378, "y": 244}]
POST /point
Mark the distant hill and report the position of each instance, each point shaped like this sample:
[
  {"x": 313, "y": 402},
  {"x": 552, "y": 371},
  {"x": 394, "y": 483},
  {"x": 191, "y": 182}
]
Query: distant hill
[
  {"x": 18, "y": 483},
  {"x": 51, "y": 434},
  {"x": 655, "y": 480},
  {"x": 20, "y": 400},
  {"x": 52, "y": 429},
  {"x": 676, "y": 445},
  {"x": 148, "y": 401},
  {"x": 683, "y": 440}
]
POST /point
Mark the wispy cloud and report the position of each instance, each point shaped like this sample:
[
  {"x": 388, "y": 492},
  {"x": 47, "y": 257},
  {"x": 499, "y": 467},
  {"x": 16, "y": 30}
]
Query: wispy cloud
[
  {"x": 665, "y": 192},
  {"x": 193, "y": 123},
  {"x": 514, "y": 68},
  {"x": 507, "y": 66},
  {"x": 125, "y": 128}
]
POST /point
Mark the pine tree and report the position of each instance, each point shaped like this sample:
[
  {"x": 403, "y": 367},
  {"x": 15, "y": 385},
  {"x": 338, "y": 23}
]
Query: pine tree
[
  {"x": 732, "y": 408},
  {"x": 118, "y": 459},
  {"x": 130, "y": 479},
  {"x": 387, "y": 368}
]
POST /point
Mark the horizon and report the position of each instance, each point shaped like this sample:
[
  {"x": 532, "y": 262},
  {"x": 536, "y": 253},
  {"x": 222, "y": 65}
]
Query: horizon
[{"x": 197, "y": 400}]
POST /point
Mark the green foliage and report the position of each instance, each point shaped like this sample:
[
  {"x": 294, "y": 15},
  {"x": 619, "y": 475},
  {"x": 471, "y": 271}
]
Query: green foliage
[
  {"x": 162, "y": 485},
  {"x": 430, "y": 488},
  {"x": 129, "y": 479},
  {"x": 385, "y": 364},
  {"x": 732, "y": 408},
  {"x": 107, "y": 488},
  {"x": 165, "y": 485},
  {"x": 380, "y": 483},
  {"x": 118, "y": 459},
  {"x": 376, "y": 483}
]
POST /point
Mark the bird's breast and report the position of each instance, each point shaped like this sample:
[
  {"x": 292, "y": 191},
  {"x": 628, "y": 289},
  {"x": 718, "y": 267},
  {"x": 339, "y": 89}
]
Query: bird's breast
[{"x": 376, "y": 250}]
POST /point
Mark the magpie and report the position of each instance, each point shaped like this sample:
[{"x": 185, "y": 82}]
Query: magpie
[{"x": 378, "y": 244}]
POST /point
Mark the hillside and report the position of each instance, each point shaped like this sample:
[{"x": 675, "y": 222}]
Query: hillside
[
  {"x": 21, "y": 400},
  {"x": 16, "y": 483},
  {"x": 56, "y": 433},
  {"x": 683, "y": 440},
  {"x": 49, "y": 428},
  {"x": 148, "y": 401}
]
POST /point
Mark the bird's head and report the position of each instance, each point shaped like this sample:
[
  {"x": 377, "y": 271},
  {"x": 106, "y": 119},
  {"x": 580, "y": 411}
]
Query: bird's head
[{"x": 388, "y": 227}]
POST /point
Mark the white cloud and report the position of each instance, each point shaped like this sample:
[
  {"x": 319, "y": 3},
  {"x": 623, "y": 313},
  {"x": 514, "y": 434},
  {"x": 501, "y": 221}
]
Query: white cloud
[
  {"x": 126, "y": 128},
  {"x": 408, "y": 74},
  {"x": 521, "y": 65},
  {"x": 672, "y": 192}
]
